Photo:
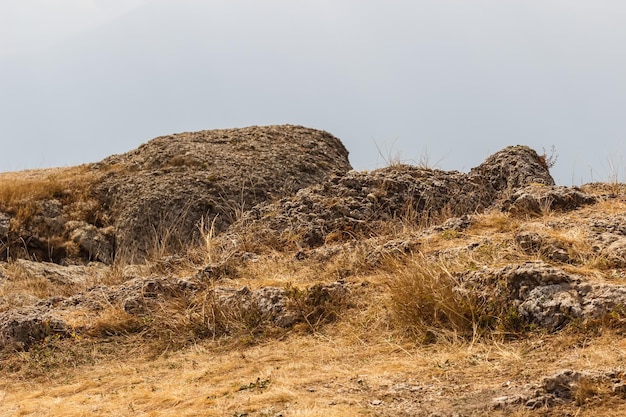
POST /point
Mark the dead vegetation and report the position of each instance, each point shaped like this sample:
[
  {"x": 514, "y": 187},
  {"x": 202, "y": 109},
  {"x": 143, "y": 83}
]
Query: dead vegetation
[{"x": 384, "y": 322}]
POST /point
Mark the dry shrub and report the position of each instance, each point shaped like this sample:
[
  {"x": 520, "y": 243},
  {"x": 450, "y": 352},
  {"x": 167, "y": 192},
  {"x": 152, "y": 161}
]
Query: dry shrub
[
  {"x": 430, "y": 302},
  {"x": 494, "y": 221},
  {"x": 585, "y": 390},
  {"x": 425, "y": 302},
  {"x": 319, "y": 304},
  {"x": 114, "y": 321},
  {"x": 215, "y": 316},
  {"x": 187, "y": 317},
  {"x": 233, "y": 316}
]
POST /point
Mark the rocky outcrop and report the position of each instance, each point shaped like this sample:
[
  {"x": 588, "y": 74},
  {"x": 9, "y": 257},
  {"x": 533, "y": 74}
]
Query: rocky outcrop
[
  {"x": 563, "y": 387},
  {"x": 20, "y": 328},
  {"x": 512, "y": 168},
  {"x": 146, "y": 298},
  {"x": 5, "y": 225},
  {"x": 54, "y": 273},
  {"x": 366, "y": 203},
  {"x": 535, "y": 200},
  {"x": 92, "y": 243},
  {"x": 536, "y": 243},
  {"x": 158, "y": 194},
  {"x": 544, "y": 295},
  {"x": 163, "y": 195}
]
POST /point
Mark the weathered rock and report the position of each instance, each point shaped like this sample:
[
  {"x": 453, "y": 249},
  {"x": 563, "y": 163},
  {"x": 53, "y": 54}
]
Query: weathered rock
[
  {"x": 534, "y": 243},
  {"x": 38, "y": 236},
  {"x": 561, "y": 388},
  {"x": 366, "y": 203},
  {"x": 158, "y": 194},
  {"x": 285, "y": 308},
  {"x": 535, "y": 200},
  {"x": 512, "y": 168},
  {"x": 59, "y": 274},
  {"x": 94, "y": 243},
  {"x": 547, "y": 296},
  {"x": 5, "y": 225},
  {"x": 615, "y": 253},
  {"x": 20, "y": 328}
]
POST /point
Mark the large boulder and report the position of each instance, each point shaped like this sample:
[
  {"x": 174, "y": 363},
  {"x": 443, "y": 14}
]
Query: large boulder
[
  {"x": 161, "y": 196},
  {"x": 512, "y": 168},
  {"x": 158, "y": 194}
]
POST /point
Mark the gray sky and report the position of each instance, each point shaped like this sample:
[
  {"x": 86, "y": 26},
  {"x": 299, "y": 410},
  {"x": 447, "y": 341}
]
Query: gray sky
[{"x": 450, "y": 81}]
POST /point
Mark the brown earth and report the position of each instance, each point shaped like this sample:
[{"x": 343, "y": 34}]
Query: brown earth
[{"x": 403, "y": 291}]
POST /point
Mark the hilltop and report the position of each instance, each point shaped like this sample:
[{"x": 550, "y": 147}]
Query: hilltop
[{"x": 252, "y": 272}]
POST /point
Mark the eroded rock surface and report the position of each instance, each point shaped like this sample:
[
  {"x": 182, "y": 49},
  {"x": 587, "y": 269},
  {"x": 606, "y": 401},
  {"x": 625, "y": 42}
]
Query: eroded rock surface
[
  {"x": 158, "y": 193},
  {"x": 534, "y": 200},
  {"x": 547, "y": 296},
  {"x": 363, "y": 204},
  {"x": 20, "y": 328},
  {"x": 165, "y": 194}
]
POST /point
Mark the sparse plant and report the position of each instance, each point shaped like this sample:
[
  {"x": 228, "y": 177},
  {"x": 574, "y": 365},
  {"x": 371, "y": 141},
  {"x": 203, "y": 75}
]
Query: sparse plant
[
  {"x": 427, "y": 303},
  {"x": 431, "y": 302},
  {"x": 318, "y": 305},
  {"x": 389, "y": 157},
  {"x": 549, "y": 157}
]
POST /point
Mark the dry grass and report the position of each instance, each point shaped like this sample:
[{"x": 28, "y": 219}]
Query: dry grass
[
  {"x": 25, "y": 195},
  {"x": 406, "y": 342},
  {"x": 310, "y": 375},
  {"x": 18, "y": 189},
  {"x": 426, "y": 303}
]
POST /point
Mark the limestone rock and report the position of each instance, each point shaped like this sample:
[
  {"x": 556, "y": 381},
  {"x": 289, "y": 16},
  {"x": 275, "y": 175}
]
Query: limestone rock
[
  {"x": 534, "y": 243},
  {"x": 511, "y": 168},
  {"x": 362, "y": 204},
  {"x": 158, "y": 194},
  {"x": 5, "y": 225},
  {"x": 615, "y": 253},
  {"x": 545, "y": 295},
  {"x": 20, "y": 328},
  {"x": 60, "y": 274},
  {"x": 95, "y": 243},
  {"x": 534, "y": 200}
]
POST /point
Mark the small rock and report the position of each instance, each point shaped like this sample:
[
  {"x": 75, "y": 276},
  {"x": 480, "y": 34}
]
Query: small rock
[
  {"x": 620, "y": 388},
  {"x": 21, "y": 328},
  {"x": 5, "y": 224}
]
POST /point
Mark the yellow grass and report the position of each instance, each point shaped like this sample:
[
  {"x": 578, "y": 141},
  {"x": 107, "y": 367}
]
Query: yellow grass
[
  {"x": 365, "y": 363},
  {"x": 308, "y": 375}
]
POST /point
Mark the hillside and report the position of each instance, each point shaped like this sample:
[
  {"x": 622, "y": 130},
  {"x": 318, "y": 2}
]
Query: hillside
[{"x": 251, "y": 272}]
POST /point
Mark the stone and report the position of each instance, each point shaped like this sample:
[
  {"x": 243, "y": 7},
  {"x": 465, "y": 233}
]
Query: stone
[
  {"x": 534, "y": 243},
  {"x": 160, "y": 194},
  {"x": 545, "y": 295},
  {"x": 5, "y": 225},
  {"x": 536, "y": 200},
  {"x": 20, "y": 328},
  {"x": 364, "y": 204},
  {"x": 96, "y": 244},
  {"x": 60, "y": 274},
  {"x": 615, "y": 253},
  {"x": 512, "y": 168}
]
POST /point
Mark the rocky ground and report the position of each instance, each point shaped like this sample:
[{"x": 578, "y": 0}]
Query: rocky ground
[{"x": 251, "y": 272}]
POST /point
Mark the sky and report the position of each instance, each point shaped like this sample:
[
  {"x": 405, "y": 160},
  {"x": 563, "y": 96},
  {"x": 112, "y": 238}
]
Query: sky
[{"x": 441, "y": 82}]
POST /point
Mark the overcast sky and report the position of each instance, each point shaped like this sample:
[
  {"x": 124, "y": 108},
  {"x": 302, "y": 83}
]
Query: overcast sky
[{"x": 448, "y": 81}]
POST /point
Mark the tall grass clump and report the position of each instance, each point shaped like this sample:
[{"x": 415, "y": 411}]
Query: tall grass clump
[{"x": 431, "y": 303}]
